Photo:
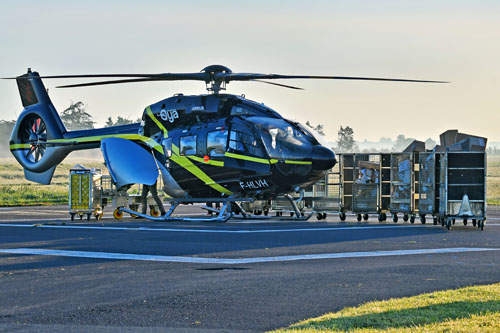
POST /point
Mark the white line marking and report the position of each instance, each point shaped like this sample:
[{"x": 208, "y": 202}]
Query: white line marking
[
  {"x": 205, "y": 230},
  {"x": 227, "y": 261}
]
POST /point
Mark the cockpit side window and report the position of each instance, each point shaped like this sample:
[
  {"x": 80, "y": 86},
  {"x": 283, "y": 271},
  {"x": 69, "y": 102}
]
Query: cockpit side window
[
  {"x": 188, "y": 145},
  {"x": 244, "y": 142}
]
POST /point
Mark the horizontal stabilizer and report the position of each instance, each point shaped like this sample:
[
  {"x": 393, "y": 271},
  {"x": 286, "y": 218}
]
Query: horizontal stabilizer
[{"x": 129, "y": 163}]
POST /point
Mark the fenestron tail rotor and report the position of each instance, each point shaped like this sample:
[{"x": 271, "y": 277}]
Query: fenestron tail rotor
[
  {"x": 33, "y": 132},
  {"x": 215, "y": 77}
]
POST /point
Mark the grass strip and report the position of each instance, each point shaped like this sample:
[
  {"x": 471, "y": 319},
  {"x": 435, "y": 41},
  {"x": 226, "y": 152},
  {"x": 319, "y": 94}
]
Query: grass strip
[{"x": 470, "y": 309}]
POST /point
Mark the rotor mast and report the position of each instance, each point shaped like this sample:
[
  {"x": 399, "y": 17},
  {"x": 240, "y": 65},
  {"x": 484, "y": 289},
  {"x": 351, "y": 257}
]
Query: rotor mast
[{"x": 214, "y": 82}]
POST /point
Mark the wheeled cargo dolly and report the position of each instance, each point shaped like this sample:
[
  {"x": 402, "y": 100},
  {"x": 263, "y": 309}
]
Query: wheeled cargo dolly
[
  {"x": 282, "y": 205},
  {"x": 326, "y": 194},
  {"x": 428, "y": 203},
  {"x": 463, "y": 188},
  {"x": 404, "y": 186},
  {"x": 85, "y": 193},
  {"x": 366, "y": 185},
  {"x": 120, "y": 198}
]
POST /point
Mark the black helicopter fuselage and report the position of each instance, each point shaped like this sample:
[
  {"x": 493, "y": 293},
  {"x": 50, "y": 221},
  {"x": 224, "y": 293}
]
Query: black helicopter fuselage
[{"x": 221, "y": 145}]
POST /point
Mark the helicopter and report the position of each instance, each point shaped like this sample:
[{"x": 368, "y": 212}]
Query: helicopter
[{"x": 214, "y": 147}]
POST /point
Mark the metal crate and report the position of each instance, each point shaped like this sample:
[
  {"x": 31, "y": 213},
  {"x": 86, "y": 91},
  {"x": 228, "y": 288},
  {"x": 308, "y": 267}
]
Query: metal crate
[
  {"x": 256, "y": 207},
  {"x": 463, "y": 188},
  {"x": 282, "y": 205},
  {"x": 366, "y": 185},
  {"x": 404, "y": 185},
  {"x": 85, "y": 193},
  {"x": 326, "y": 193},
  {"x": 428, "y": 203}
]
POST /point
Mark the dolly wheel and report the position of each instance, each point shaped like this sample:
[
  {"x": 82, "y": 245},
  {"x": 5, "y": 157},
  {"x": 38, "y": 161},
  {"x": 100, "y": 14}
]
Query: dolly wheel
[
  {"x": 117, "y": 214},
  {"x": 422, "y": 219},
  {"x": 342, "y": 216},
  {"x": 405, "y": 217},
  {"x": 155, "y": 213},
  {"x": 395, "y": 218}
]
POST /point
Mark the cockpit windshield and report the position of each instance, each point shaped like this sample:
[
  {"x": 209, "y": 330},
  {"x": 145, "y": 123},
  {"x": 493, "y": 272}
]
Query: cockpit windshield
[
  {"x": 283, "y": 140},
  {"x": 320, "y": 138}
]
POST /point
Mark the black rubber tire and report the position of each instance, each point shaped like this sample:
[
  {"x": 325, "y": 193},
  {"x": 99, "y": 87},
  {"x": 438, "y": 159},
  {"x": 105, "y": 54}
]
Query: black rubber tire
[
  {"x": 342, "y": 216},
  {"x": 365, "y": 217},
  {"x": 266, "y": 212},
  {"x": 88, "y": 217},
  {"x": 465, "y": 221},
  {"x": 395, "y": 218},
  {"x": 474, "y": 222},
  {"x": 319, "y": 216},
  {"x": 384, "y": 217},
  {"x": 412, "y": 219},
  {"x": 405, "y": 217},
  {"x": 482, "y": 225},
  {"x": 435, "y": 220},
  {"x": 448, "y": 224},
  {"x": 422, "y": 219},
  {"x": 358, "y": 217},
  {"x": 72, "y": 217},
  {"x": 380, "y": 218}
]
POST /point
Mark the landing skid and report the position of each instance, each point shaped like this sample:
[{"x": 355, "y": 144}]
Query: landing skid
[{"x": 223, "y": 214}]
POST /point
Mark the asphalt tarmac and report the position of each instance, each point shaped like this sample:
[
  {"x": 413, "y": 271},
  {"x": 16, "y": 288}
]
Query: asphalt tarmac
[{"x": 136, "y": 275}]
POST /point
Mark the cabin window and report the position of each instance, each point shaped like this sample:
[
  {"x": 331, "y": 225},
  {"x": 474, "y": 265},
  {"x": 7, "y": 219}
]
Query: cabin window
[
  {"x": 216, "y": 143},
  {"x": 188, "y": 145},
  {"x": 167, "y": 146},
  {"x": 246, "y": 143}
]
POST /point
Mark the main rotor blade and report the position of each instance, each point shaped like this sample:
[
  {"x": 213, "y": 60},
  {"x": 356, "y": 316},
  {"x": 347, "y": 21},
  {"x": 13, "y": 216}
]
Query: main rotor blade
[
  {"x": 278, "y": 84},
  {"x": 255, "y": 76},
  {"x": 106, "y": 82},
  {"x": 160, "y": 76}
]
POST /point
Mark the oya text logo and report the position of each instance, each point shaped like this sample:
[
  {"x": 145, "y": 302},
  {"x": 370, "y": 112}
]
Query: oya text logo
[{"x": 169, "y": 115}]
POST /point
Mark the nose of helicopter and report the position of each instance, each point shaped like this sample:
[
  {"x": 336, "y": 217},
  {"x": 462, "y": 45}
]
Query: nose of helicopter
[{"x": 323, "y": 158}]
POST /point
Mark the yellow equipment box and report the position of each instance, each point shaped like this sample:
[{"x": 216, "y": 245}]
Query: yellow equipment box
[{"x": 85, "y": 192}]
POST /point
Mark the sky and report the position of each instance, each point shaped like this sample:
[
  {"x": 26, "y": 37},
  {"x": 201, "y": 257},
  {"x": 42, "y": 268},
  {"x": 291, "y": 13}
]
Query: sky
[{"x": 456, "y": 41}]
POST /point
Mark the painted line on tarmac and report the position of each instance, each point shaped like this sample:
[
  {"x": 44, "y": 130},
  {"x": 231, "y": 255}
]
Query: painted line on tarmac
[
  {"x": 220, "y": 231},
  {"x": 228, "y": 261}
]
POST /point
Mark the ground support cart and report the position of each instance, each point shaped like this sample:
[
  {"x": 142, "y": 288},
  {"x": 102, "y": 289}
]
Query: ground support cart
[
  {"x": 122, "y": 199},
  {"x": 463, "y": 188},
  {"x": 404, "y": 186},
  {"x": 346, "y": 170},
  {"x": 366, "y": 185},
  {"x": 428, "y": 203},
  {"x": 326, "y": 197},
  {"x": 282, "y": 205},
  {"x": 85, "y": 193},
  {"x": 385, "y": 186},
  {"x": 257, "y": 207}
]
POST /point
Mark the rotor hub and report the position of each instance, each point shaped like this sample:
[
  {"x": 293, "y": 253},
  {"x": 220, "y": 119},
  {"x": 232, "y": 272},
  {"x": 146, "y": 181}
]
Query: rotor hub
[{"x": 213, "y": 83}]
